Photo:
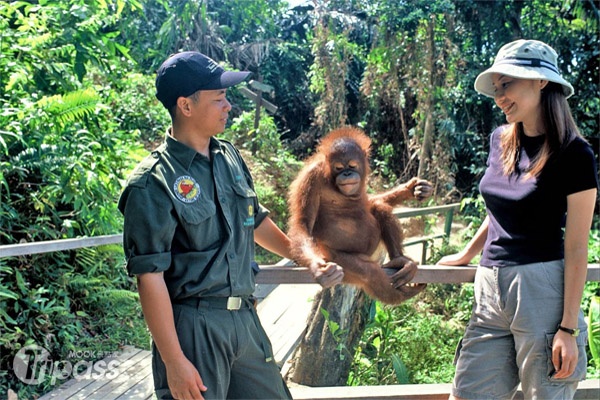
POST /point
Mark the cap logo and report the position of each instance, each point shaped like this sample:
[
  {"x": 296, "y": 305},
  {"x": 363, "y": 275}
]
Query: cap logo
[
  {"x": 212, "y": 66},
  {"x": 186, "y": 189},
  {"x": 528, "y": 62}
]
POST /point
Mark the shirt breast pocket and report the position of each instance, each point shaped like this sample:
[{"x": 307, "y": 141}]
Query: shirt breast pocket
[
  {"x": 195, "y": 215},
  {"x": 246, "y": 204}
]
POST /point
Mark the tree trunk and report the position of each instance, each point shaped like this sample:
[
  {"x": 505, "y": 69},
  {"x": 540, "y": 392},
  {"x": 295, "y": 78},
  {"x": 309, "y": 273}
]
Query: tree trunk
[
  {"x": 324, "y": 357},
  {"x": 429, "y": 128}
]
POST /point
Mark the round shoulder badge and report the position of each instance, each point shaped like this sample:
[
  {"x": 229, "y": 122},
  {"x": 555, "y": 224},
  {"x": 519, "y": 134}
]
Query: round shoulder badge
[{"x": 186, "y": 189}]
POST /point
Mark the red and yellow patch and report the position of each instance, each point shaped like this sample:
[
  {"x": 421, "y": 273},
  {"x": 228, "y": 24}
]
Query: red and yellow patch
[{"x": 186, "y": 189}]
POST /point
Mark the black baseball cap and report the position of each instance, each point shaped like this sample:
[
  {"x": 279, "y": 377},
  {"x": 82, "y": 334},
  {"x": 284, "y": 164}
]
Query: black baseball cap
[{"x": 182, "y": 74}]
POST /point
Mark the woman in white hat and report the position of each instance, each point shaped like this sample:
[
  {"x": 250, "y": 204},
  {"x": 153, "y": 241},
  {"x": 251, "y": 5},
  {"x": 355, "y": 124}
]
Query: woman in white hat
[{"x": 527, "y": 326}]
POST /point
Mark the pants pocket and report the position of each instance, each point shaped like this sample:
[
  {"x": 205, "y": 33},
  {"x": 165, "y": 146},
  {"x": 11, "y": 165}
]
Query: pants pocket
[{"x": 580, "y": 370}]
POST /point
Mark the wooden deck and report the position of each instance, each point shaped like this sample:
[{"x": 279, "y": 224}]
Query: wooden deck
[{"x": 133, "y": 381}]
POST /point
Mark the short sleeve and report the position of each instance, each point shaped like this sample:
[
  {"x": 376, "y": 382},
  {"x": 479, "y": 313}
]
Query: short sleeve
[
  {"x": 148, "y": 230},
  {"x": 580, "y": 168}
]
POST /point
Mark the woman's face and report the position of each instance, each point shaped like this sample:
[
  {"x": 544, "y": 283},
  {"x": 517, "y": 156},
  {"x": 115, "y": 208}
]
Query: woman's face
[{"x": 520, "y": 101}]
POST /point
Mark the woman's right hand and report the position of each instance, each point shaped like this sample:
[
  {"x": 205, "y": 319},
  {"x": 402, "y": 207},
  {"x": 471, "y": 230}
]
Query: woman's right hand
[{"x": 473, "y": 248}]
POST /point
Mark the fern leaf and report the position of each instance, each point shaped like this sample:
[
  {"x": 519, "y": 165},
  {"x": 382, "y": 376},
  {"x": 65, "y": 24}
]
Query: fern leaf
[{"x": 71, "y": 106}]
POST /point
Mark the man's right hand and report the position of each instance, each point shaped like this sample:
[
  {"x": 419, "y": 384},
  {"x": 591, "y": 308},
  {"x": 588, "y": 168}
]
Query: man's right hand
[{"x": 184, "y": 380}]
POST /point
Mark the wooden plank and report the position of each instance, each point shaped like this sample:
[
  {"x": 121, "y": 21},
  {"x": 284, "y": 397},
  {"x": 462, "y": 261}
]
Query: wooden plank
[
  {"x": 63, "y": 391},
  {"x": 593, "y": 273},
  {"x": 588, "y": 390},
  {"x": 282, "y": 275},
  {"x": 284, "y": 314},
  {"x": 272, "y": 108},
  {"x": 132, "y": 385},
  {"x": 125, "y": 372},
  {"x": 425, "y": 274},
  {"x": 143, "y": 390},
  {"x": 76, "y": 385},
  {"x": 263, "y": 87},
  {"x": 414, "y": 212},
  {"x": 22, "y": 249},
  {"x": 405, "y": 392}
]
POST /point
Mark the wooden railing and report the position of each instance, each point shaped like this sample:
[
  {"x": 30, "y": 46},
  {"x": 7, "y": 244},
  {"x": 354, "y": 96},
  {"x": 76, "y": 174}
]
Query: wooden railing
[
  {"x": 282, "y": 273},
  {"x": 48, "y": 246},
  {"x": 22, "y": 249}
]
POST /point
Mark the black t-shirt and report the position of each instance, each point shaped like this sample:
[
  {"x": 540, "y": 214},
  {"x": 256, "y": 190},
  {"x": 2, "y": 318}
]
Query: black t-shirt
[{"x": 527, "y": 216}]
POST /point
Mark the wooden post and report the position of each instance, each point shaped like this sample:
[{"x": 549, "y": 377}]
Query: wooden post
[
  {"x": 260, "y": 88},
  {"x": 254, "y": 145},
  {"x": 260, "y": 102},
  {"x": 448, "y": 225}
]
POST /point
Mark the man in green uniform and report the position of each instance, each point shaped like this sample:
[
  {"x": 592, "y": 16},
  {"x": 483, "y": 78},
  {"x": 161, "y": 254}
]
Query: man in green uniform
[{"x": 191, "y": 220}]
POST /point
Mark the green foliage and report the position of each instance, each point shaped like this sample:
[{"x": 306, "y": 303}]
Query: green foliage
[
  {"x": 63, "y": 159},
  {"x": 243, "y": 21},
  {"x": 383, "y": 163},
  {"x": 69, "y": 301},
  {"x": 142, "y": 115},
  {"x": 73, "y": 34},
  {"x": 286, "y": 68},
  {"x": 337, "y": 334},
  {"x": 594, "y": 242},
  {"x": 410, "y": 343},
  {"x": 472, "y": 210},
  {"x": 333, "y": 53},
  {"x": 591, "y": 304},
  {"x": 263, "y": 140}
]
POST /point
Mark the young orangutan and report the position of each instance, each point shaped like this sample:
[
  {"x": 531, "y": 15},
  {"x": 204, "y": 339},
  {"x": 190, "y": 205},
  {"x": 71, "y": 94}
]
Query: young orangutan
[{"x": 338, "y": 230}]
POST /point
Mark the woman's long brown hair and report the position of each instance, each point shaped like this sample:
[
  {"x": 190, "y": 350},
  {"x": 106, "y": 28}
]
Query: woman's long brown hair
[{"x": 560, "y": 131}]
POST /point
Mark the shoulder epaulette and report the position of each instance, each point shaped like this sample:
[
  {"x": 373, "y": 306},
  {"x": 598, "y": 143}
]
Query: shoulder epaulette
[{"x": 139, "y": 176}]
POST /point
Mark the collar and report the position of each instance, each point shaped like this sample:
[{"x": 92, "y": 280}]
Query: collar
[{"x": 185, "y": 154}]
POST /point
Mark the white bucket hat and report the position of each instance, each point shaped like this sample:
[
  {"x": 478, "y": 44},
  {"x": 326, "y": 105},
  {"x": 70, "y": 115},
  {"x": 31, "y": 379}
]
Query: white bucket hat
[{"x": 523, "y": 59}]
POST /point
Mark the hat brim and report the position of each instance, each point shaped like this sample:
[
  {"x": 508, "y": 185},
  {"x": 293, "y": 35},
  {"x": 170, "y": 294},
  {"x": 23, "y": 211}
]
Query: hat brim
[
  {"x": 225, "y": 80},
  {"x": 484, "y": 85},
  {"x": 232, "y": 78}
]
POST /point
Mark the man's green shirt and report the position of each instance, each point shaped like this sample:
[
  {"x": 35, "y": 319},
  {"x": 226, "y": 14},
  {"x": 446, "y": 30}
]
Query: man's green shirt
[{"x": 193, "y": 219}]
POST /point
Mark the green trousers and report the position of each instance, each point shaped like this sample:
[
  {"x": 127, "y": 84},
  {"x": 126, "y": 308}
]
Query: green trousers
[{"x": 229, "y": 348}]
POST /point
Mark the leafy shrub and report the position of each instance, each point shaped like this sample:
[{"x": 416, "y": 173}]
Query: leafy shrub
[
  {"x": 78, "y": 301},
  {"x": 593, "y": 319},
  {"x": 141, "y": 114},
  {"x": 62, "y": 169}
]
